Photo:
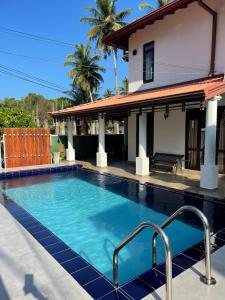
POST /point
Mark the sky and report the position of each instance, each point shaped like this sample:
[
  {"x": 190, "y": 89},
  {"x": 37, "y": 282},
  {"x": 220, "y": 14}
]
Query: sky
[{"x": 54, "y": 19}]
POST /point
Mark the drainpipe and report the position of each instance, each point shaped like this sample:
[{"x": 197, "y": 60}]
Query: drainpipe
[{"x": 214, "y": 35}]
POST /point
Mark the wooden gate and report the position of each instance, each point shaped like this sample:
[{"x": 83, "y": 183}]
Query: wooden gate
[{"x": 26, "y": 147}]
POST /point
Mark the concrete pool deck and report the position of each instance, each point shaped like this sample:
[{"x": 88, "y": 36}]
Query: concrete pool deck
[
  {"x": 187, "y": 286},
  {"x": 28, "y": 271},
  {"x": 188, "y": 180}
]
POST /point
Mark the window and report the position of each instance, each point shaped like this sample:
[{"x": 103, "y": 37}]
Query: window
[{"x": 148, "y": 68}]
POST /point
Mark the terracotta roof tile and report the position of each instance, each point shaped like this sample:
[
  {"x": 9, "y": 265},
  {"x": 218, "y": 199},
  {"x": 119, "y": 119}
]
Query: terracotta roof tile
[{"x": 204, "y": 89}]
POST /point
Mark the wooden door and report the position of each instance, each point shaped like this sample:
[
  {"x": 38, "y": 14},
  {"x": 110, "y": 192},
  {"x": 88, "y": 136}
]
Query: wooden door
[{"x": 195, "y": 123}]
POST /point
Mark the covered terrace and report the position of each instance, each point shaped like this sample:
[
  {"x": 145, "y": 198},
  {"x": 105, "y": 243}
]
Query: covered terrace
[{"x": 202, "y": 95}]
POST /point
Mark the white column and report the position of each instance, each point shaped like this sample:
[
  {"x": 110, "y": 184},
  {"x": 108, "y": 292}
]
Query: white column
[
  {"x": 101, "y": 156},
  {"x": 70, "y": 151},
  {"x": 74, "y": 128},
  {"x": 62, "y": 128},
  {"x": 142, "y": 161},
  {"x": 93, "y": 128},
  {"x": 116, "y": 127},
  {"x": 209, "y": 171},
  {"x": 57, "y": 127}
]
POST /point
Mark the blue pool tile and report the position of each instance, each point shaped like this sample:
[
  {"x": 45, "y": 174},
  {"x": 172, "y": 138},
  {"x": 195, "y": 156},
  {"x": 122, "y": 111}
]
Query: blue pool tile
[
  {"x": 184, "y": 261},
  {"x": 42, "y": 234},
  {"x": 194, "y": 254},
  {"x": 201, "y": 246},
  {"x": 137, "y": 289},
  {"x": 75, "y": 265},
  {"x": 154, "y": 278},
  {"x": 55, "y": 248},
  {"x": 19, "y": 212},
  {"x": 23, "y": 217},
  {"x": 175, "y": 269},
  {"x": 28, "y": 222},
  {"x": 116, "y": 295},
  {"x": 220, "y": 235},
  {"x": 99, "y": 288},
  {"x": 222, "y": 230},
  {"x": 13, "y": 208},
  {"x": 48, "y": 241},
  {"x": 86, "y": 275},
  {"x": 66, "y": 255},
  {"x": 36, "y": 228},
  {"x": 219, "y": 242}
]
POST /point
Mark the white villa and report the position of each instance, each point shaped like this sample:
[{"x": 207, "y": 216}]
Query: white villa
[{"x": 176, "y": 99}]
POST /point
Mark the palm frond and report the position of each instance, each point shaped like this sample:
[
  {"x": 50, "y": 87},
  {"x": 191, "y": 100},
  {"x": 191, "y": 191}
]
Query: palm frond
[
  {"x": 123, "y": 14},
  {"x": 145, "y": 5}
]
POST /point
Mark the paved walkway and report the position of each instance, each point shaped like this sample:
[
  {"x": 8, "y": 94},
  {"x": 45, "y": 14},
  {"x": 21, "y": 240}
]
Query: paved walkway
[
  {"x": 28, "y": 271},
  {"x": 187, "y": 181},
  {"x": 187, "y": 286}
]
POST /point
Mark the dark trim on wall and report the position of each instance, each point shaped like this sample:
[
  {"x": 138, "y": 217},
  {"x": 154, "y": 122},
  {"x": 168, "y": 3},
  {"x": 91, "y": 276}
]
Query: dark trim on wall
[
  {"x": 144, "y": 59},
  {"x": 137, "y": 135},
  {"x": 150, "y": 134},
  {"x": 214, "y": 35}
]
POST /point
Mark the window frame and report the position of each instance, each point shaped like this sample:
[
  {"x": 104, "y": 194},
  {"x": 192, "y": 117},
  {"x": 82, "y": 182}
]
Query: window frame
[{"x": 144, "y": 60}]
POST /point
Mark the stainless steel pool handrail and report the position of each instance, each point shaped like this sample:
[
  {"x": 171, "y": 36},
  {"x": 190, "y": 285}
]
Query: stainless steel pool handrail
[
  {"x": 167, "y": 253},
  {"x": 207, "y": 278}
]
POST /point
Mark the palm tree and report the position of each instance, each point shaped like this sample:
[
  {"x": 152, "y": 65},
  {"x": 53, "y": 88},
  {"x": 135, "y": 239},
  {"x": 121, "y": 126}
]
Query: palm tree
[
  {"x": 150, "y": 7},
  {"x": 124, "y": 88},
  {"x": 85, "y": 70},
  {"x": 108, "y": 93},
  {"x": 105, "y": 20}
]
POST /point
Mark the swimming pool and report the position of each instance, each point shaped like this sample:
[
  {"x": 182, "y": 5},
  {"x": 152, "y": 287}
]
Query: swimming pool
[{"x": 92, "y": 213}]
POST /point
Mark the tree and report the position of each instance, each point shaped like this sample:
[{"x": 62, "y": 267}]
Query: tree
[
  {"x": 63, "y": 102},
  {"x": 85, "y": 70},
  {"x": 36, "y": 105},
  {"x": 108, "y": 93},
  {"x": 150, "y": 7},
  {"x": 124, "y": 88},
  {"x": 10, "y": 102},
  {"x": 105, "y": 20},
  {"x": 14, "y": 117}
]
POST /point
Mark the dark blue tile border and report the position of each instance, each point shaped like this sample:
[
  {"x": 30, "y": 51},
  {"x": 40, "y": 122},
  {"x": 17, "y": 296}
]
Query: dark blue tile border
[
  {"x": 33, "y": 172},
  {"x": 95, "y": 283}
]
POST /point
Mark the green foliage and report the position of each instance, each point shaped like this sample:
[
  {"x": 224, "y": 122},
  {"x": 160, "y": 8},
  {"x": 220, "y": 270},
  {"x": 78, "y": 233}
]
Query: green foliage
[
  {"x": 124, "y": 88},
  {"x": 85, "y": 70},
  {"x": 146, "y": 5},
  {"x": 14, "y": 117},
  {"x": 30, "y": 111},
  {"x": 108, "y": 93},
  {"x": 104, "y": 20}
]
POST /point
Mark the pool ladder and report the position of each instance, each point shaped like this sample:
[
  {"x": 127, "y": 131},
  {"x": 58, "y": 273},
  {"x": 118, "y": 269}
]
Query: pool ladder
[{"x": 159, "y": 230}]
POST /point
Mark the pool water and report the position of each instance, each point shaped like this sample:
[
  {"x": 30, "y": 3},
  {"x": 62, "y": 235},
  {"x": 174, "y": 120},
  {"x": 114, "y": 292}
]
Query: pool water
[{"x": 93, "y": 213}]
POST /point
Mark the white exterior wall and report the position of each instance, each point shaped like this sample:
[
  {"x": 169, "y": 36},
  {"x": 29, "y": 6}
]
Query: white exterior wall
[
  {"x": 182, "y": 46},
  {"x": 132, "y": 138},
  {"x": 169, "y": 134}
]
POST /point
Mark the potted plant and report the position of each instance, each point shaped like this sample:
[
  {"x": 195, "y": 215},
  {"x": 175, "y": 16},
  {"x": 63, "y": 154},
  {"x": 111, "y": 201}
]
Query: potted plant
[{"x": 56, "y": 153}]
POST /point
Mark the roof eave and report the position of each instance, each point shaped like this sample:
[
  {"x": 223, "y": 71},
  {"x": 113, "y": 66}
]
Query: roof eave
[
  {"x": 190, "y": 96},
  {"x": 124, "y": 33}
]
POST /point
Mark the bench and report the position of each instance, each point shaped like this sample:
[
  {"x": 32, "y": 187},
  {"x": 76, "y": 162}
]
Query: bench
[{"x": 167, "y": 161}]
